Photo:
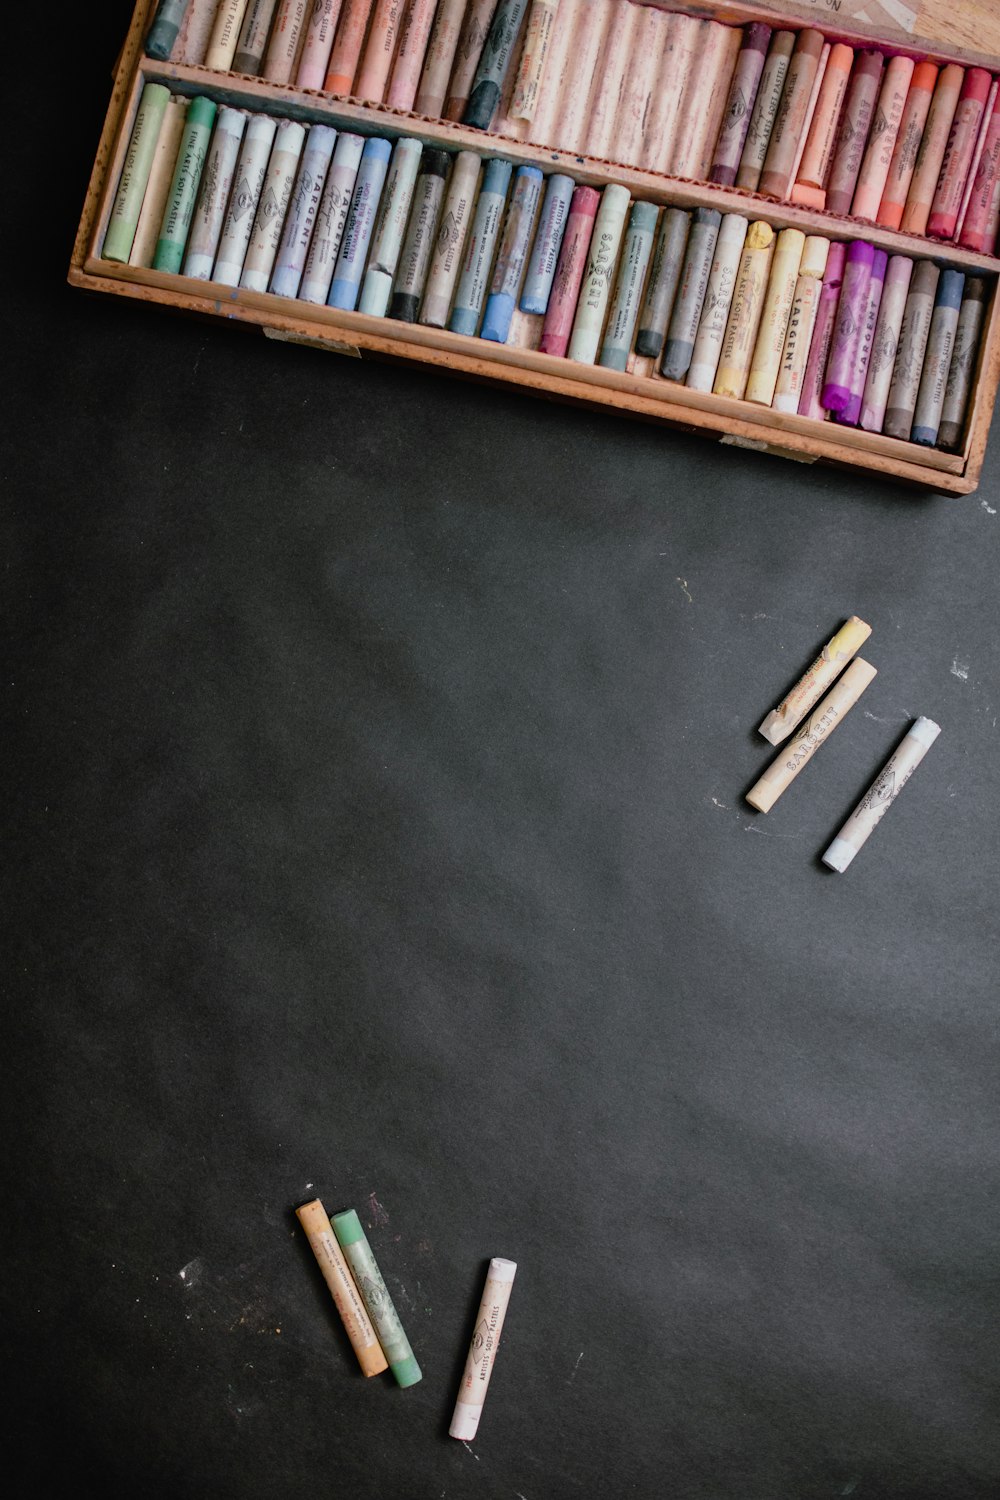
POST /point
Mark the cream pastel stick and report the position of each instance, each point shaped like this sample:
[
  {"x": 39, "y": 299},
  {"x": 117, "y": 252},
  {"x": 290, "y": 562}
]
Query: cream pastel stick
[
  {"x": 134, "y": 179},
  {"x": 535, "y": 53},
  {"x": 817, "y": 155},
  {"x": 745, "y": 313},
  {"x": 933, "y": 144},
  {"x": 441, "y": 49},
  {"x": 882, "y": 137},
  {"x": 249, "y": 55},
  {"x": 765, "y": 110},
  {"x": 963, "y": 360},
  {"x": 883, "y": 355},
  {"x": 283, "y": 44},
  {"x": 882, "y": 793},
  {"x": 244, "y": 198},
  {"x": 225, "y": 35},
  {"x": 778, "y": 299},
  {"x": 718, "y": 300},
  {"x": 957, "y": 162},
  {"x": 970, "y": 182},
  {"x": 571, "y": 125},
  {"x": 213, "y": 193},
  {"x": 390, "y": 227},
  {"x": 778, "y": 175},
  {"x": 609, "y": 227},
  {"x": 158, "y": 186},
  {"x": 559, "y": 68},
  {"x": 318, "y": 44},
  {"x": 639, "y": 83},
  {"x": 801, "y": 322},
  {"x": 414, "y": 34},
  {"x": 613, "y": 60},
  {"x": 810, "y": 401},
  {"x": 811, "y": 734},
  {"x": 739, "y": 106},
  {"x": 379, "y": 50},
  {"x": 273, "y": 206},
  {"x": 483, "y": 1350},
  {"x": 471, "y": 41},
  {"x": 815, "y": 680},
  {"x": 679, "y": 40},
  {"x": 852, "y": 134},
  {"x": 904, "y": 156},
  {"x": 446, "y": 256},
  {"x": 348, "y": 41},
  {"x": 343, "y": 1288},
  {"x": 163, "y": 32}
]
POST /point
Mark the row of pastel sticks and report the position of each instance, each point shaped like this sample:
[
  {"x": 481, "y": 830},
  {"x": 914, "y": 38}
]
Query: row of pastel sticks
[
  {"x": 407, "y": 231},
  {"x": 791, "y": 115}
]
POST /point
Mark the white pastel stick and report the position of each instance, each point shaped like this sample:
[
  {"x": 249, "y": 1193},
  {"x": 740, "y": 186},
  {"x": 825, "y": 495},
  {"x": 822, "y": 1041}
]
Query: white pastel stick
[
  {"x": 718, "y": 300},
  {"x": 882, "y": 793},
  {"x": 213, "y": 193},
  {"x": 243, "y": 200},
  {"x": 483, "y": 1349}
]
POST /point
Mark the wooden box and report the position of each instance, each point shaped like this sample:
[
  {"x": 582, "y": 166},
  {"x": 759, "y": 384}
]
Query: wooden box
[{"x": 963, "y": 31}]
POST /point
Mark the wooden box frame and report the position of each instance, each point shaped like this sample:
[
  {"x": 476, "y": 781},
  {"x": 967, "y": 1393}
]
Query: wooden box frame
[{"x": 944, "y": 30}]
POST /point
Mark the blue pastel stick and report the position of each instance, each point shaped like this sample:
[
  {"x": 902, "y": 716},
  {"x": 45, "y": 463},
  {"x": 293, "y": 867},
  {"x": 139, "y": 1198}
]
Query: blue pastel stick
[
  {"x": 541, "y": 270},
  {"x": 166, "y": 24},
  {"x": 358, "y": 229},
  {"x": 937, "y": 359},
  {"x": 475, "y": 275},
  {"x": 512, "y": 254}
]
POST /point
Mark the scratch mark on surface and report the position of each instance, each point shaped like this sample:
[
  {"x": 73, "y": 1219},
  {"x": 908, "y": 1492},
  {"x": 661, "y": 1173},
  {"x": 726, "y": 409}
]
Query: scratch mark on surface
[
  {"x": 988, "y": 508},
  {"x": 469, "y": 1450},
  {"x": 960, "y": 669},
  {"x": 191, "y": 1274},
  {"x": 768, "y": 833},
  {"x": 377, "y": 1216},
  {"x": 575, "y": 1368},
  {"x": 684, "y": 586},
  {"x": 405, "y": 1295},
  {"x": 723, "y": 805}
]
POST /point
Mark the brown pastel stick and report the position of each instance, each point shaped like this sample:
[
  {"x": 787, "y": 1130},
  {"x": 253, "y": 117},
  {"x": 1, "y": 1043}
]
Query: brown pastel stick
[
  {"x": 818, "y": 152},
  {"x": 790, "y": 124},
  {"x": 339, "y": 1278},
  {"x": 933, "y": 145},
  {"x": 852, "y": 137},
  {"x": 765, "y": 110},
  {"x": 815, "y": 680},
  {"x": 817, "y": 728}
]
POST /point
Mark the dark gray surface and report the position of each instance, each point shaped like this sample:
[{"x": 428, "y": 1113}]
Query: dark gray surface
[{"x": 375, "y": 831}]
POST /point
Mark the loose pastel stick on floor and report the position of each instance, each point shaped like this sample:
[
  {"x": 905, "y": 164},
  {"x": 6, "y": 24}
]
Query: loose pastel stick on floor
[
  {"x": 303, "y": 211},
  {"x": 614, "y": 58},
  {"x": 414, "y": 34},
  {"x": 883, "y": 355},
  {"x": 478, "y": 262},
  {"x": 415, "y": 260},
  {"x": 483, "y": 1350},
  {"x": 632, "y": 269},
  {"x": 283, "y": 44},
  {"x": 570, "y": 268},
  {"x": 814, "y": 164},
  {"x": 778, "y": 174},
  {"x": 275, "y": 196},
  {"x": 745, "y": 312},
  {"x": 495, "y": 62},
  {"x": 213, "y": 192},
  {"x": 348, "y": 41},
  {"x": 639, "y": 83},
  {"x": 812, "y": 733},
  {"x": 365, "y": 199},
  {"x": 389, "y": 227},
  {"x": 683, "y": 327},
  {"x": 176, "y": 224},
  {"x": 166, "y": 24},
  {"x": 765, "y": 110},
  {"x": 252, "y": 44},
  {"x": 314, "y": 59},
  {"x": 664, "y": 279},
  {"x": 343, "y": 1288},
  {"x": 515, "y": 238},
  {"x": 471, "y": 41},
  {"x": 538, "y": 33},
  {"x": 977, "y": 156},
  {"x": 244, "y": 198},
  {"x": 718, "y": 300},
  {"x": 225, "y": 34},
  {"x": 882, "y": 793},
  {"x": 933, "y": 144},
  {"x": 158, "y": 184},
  {"x": 850, "y": 322},
  {"x": 680, "y": 41},
  {"x": 963, "y": 360},
  {"x": 441, "y": 49},
  {"x": 778, "y": 299},
  {"x": 882, "y": 137},
  {"x": 595, "y": 290},
  {"x": 852, "y": 134},
  {"x": 810, "y": 401},
  {"x": 375, "y": 1296},
  {"x": 838, "y": 651},
  {"x": 910, "y": 353},
  {"x": 801, "y": 322},
  {"x": 449, "y": 246},
  {"x": 937, "y": 359},
  {"x": 904, "y": 156},
  {"x": 739, "y": 105},
  {"x": 334, "y": 205},
  {"x": 544, "y": 255},
  {"x": 850, "y": 414},
  {"x": 958, "y": 154},
  {"x": 138, "y": 164}
]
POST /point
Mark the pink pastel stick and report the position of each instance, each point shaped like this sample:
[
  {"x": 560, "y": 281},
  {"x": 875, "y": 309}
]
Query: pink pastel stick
[
  {"x": 958, "y": 154},
  {"x": 413, "y": 37},
  {"x": 316, "y": 48},
  {"x": 976, "y": 158},
  {"x": 570, "y": 267},
  {"x": 982, "y": 219},
  {"x": 810, "y": 404},
  {"x": 283, "y": 44}
]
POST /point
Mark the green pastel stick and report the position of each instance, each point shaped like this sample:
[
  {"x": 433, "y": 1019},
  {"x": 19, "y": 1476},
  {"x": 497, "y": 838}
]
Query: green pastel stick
[
  {"x": 354, "y": 1243},
  {"x": 184, "y": 187},
  {"x": 135, "y": 173}
]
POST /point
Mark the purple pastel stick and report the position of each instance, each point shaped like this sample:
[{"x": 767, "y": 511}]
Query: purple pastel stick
[
  {"x": 851, "y": 414},
  {"x": 739, "y": 106},
  {"x": 850, "y": 323},
  {"x": 810, "y": 404}
]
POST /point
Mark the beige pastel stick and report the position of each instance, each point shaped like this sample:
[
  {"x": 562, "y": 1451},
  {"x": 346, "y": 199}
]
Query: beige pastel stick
[
  {"x": 882, "y": 793},
  {"x": 573, "y": 123},
  {"x": 778, "y": 299},
  {"x": 640, "y": 83},
  {"x": 679, "y": 39},
  {"x": 703, "y": 83},
  {"x": 482, "y": 1350},
  {"x": 195, "y": 33},
  {"x": 559, "y": 67},
  {"x": 818, "y": 81},
  {"x": 440, "y": 56},
  {"x": 158, "y": 186},
  {"x": 838, "y": 650},
  {"x": 812, "y": 733},
  {"x": 715, "y": 109},
  {"x": 225, "y": 35},
  {"x": 745, "y": 312},
  {"x": 534, "y": 59},
  {"x": 613, "y": 61},
  {"x": 339, "y": 1278},
  {"x": 801, "y": 323}
]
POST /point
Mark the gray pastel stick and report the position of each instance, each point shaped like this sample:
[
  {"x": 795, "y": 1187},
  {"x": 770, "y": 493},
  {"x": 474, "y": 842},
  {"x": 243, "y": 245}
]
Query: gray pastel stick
[
  {"x": 937, "y": 359},
  {"x": 683, "y": 328},
  {"x": 658, "y": 304},
  {"x": 882, "y": 793},
  {"x": 494, "y": 64},
  {"x": 910, "y": 350},
  {"x": 963, "y": 362},
  {"x": 411, "y": 272}
]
